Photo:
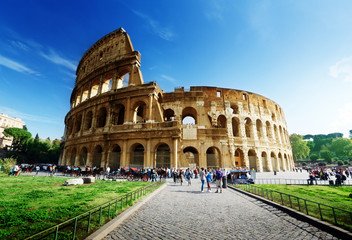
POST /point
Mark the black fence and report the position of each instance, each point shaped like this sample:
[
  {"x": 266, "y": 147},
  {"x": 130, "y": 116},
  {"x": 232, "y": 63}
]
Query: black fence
[
  {"x": 85, "y": 223},
  {"x": 336, "y": 216}
]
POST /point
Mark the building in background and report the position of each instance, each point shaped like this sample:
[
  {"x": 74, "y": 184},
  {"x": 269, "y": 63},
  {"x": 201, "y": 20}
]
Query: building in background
[{"x": 8, "y": 122}]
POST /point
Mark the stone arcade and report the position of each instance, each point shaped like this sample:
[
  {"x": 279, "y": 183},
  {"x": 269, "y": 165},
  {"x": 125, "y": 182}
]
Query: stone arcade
[{"x": 117, "y": 120}]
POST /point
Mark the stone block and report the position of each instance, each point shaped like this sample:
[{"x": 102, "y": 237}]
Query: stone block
[
  {"x": 88, "y": 179},
  {"x": 76, "y": 181}
]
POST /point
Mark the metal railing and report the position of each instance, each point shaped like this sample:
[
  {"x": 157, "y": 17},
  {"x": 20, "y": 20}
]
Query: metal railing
[
  {"x": 336, "y": 216},
  {"x": 347, "y": 182},
  {"x": 85, "y": 223}
]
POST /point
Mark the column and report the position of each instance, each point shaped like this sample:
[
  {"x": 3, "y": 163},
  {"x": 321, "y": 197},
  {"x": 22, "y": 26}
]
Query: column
[
  {"x": 123, "y": 160},
  {"x": 174, "y": 163},
  {"x": 150, "y": 108}
]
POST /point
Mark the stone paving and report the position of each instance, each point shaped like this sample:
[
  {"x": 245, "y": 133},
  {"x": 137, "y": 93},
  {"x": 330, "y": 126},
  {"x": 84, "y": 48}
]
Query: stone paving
[{"x": 183, "y": 212}]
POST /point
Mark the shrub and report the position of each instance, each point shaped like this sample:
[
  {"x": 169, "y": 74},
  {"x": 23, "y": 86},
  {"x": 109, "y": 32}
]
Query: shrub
[
  {"x": 340, "y": 163},
  {"x": 322, "y": 164},
  {"x": 304, "y": 164},
  {"x": 346, "y": 162},
  {"x": 313, "y": 157},
  {"x": 7, "y": 164}
]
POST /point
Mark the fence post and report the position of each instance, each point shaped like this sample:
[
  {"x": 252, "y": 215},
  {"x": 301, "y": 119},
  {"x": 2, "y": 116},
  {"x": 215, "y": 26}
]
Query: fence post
[
  {"x": 89, "y": 219},
  {"x": 116, "y": 207},
  {"x": 282, "y": 200},
  {"x": 305, "y": 203},
  {"x": 121, "y": 202},
  {"x": 74, "y": 229},
  {"x": 101, "y": 212},
  {"x": 321, "y": 215},
  {"x": 56, "y": 232},
  {"x": 109, "y": 209},
  {"x": 333, "y": 210},
  {"x": 289, "y": 197}
]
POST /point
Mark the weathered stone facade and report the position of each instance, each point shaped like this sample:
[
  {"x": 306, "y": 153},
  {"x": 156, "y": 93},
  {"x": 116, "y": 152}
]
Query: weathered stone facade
[
  {"x": 8, "y": 122},
  {"x": 117, "y": 120}
]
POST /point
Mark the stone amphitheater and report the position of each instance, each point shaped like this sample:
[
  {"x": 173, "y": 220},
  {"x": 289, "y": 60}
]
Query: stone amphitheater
[{"x": 117, "y": 120}]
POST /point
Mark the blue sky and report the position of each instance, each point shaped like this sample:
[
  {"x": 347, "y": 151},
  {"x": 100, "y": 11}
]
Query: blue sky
[{"x": 297, "y": 53}]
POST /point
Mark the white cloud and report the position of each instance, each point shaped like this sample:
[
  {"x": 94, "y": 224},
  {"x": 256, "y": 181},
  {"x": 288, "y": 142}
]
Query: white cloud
[
  {"x": 342, "y": 68},
  {"x": 24, "y": 116},
  {"x": 215, "y": 10},
  {"x": 168, "y": 78},
  {"x": 55, "y": 58},
  {"x": 343, "y": 122},
  {"x": 163, "y": 32},
  {"x": 6, "y": 62}
]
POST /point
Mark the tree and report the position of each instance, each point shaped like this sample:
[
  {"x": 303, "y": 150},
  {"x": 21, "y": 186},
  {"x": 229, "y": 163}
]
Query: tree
[
  {"x": 299, "y": 147},
  {"x": 341, "y": 147},
  {"x": 340, "y": 163},
  {"x": 313, "y": 157},
  {"x": 20, "y": 140},
  {"x": 326, "y": 155},
  {"x": 351, "y": 134}
]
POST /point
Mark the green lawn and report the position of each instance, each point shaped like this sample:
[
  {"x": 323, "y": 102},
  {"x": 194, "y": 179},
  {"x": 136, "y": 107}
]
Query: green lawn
[
  {"x": 31, "y": 204},
  {"x": 337, "y": 197}
]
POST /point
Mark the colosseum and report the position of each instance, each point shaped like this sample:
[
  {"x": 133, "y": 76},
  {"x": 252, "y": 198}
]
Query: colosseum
[{"x": 117, "y": 120}]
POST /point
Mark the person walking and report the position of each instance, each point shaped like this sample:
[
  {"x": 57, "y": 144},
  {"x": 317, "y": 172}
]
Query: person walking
[
  {"x": 181, "y": 177},
  {"x": 218, "y": 177},
  {"x": 208, "y": 177},
  {"x": 202, "y": 178},
  {"x": 188, "y": 176}
]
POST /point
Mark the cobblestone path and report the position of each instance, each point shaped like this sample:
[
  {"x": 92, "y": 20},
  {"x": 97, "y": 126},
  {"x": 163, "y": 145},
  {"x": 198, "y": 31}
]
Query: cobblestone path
[{"x": 183, "y": 212}]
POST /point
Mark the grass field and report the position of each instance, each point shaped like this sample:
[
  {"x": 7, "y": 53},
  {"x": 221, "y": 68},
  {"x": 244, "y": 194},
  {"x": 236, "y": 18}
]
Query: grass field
[
  {"x": 337, "y": 197},
  {"x": 31, "y": 204}
]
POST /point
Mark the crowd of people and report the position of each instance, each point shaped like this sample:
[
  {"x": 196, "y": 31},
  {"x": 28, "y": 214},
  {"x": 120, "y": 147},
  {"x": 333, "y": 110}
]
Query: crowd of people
[{"x": 329, "y": 174}]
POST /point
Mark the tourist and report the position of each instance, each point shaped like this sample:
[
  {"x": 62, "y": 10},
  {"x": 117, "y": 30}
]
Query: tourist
[
  {"x": 188, "y": 176},
  {"x": 202, "y": 178},
  {"x": 208, "y": 177},
  {"x": 37, "y": 168},
  {"x": 218, "y": 177},
  {"x": 181, "y": 176}
]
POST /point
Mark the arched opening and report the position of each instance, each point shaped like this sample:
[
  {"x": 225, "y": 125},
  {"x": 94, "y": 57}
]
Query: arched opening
[
  {"x": 115, "y": 157},
  {"x": 169, "y": 115},
  {"x": 118, "y": 114},
  {"x": 163, "y": 156},
  {"x": 213, "y": 157},
  {"x": 265, "y": 162},
  {"x": 239, "y": 158},
  {"x": 221, "y": 122},
  {"x": 286, "y": 163},
  {"x": 235, "y": 127},
  {"x": 248, "y": 127},
  {"x": 273, "y": 161},
  {"x": 78, "y": 123},
  {"x": 78, "y": 98},
  {"x": 191, "y": 156},
  {"x": 273, "y": 116},
  {"x": 107, "y": 84},
  {"x": 101, "y": 118},
  {"x": 234, "y": 108},
  {"x": 139, "y": 112},
  {"x": 281, "y": 135},
  {"x": 137, "y": 156},
  {"x": 268, "y": 130},
  {"x": 259, "y": 126},
  {"x": 95, "y": 88},
  {"x": 83, "y": 157},
  {"x": 88, "y": 120},
  {"x": 97, "y": 156},
  {"x": 123, "y": 80},
  {"x": 160, "y": 98},
  {"x": 281, "y": 162},
  {"x": 69, "y": 127},
  {"x": 85, "y": 93},
  {"x": 252, "y": 156},
  {"x": 276, "y": 134},
  {"x": 189, "y": 116},
  {"x": 73, "y": 157}
]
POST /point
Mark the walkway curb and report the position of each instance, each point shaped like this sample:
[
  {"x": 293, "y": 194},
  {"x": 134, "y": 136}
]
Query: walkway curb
[
  {"x": 332, "y": 229},
  {"x": 114, "y": 223}
]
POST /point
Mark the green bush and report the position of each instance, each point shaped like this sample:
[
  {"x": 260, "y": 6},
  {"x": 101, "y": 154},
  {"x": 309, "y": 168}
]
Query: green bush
[
  {"x": 7, "y": 164},
  {"x": 313, "y": 157},
  {"x": 304, "y": 164},
  {"x": 322, "y": 164},
  {"x": 340, "y": 163}
]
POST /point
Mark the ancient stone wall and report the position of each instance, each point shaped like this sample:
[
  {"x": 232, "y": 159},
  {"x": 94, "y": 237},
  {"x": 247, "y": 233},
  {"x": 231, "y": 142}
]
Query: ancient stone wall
[{"x": 117, "y": 120}]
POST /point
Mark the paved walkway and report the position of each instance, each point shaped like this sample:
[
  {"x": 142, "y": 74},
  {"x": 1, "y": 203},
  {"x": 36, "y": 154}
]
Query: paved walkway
[{"x": 183, "y": 212}]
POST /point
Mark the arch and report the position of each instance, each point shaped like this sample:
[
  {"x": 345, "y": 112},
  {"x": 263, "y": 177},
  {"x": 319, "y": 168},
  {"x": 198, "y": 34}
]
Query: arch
[
  {"x": 83, "y": 157},
  {"x": 252, "y": 156},
  {"x": 101, "y": 117},
  {"x": 107, "y": 84},
  {"x": 281, "y": 162},
  {"x": 273, "y": 161},
  {"x": 78, "y": 98},
  {"x": 115, "y": 157},
  {"x": 118, "y": 114},
  {"x": 221, "y": 122},
  {"x": 248, "y": 127},
  {"x": 191, "y": 113},
  {"x": 234, "y": 108},
  {"x": 123, "y": 81},
  {"x": 281, "y": 136},
  {"x": 169, "y": 115},
  {"x": 95, "y": 88},
  {"x": 191, "y": 155},
  {"x": 213, "y": 157},
  {"x": 287, "y": 164},
  {"x": 97, "y": 156},
  {"x": 239, "y": 158},
  {"x": 268, "y": 130},
  {"x": 69, "y": 126},
  {"x": 273, "y": 117},
  {"x": 137, "y": 156},
  {"x": 85, "y": 93},
  {"x": 88, "y": 120},
  {"x": 78, "y": 123},
  {"x": 163, "y": 156},
  {"x": 235, "y": 127},
  {"x": 259, "y": 126},
  {"x": 276, "y": 134},
  {"x": 139, "y": 112},
  {"x": 265, "y": 162}
]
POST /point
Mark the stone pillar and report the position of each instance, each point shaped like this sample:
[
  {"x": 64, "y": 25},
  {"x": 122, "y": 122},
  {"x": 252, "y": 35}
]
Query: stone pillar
[
  {"x": 100, "y": 85},
  {"x": 103, "y": 159},
  {"x": 264, "y": 133},
  {"x": 174, "y": 162},
  {"x": 259, "y": 162},
  {"x": 124, "y": 159},
  {"x": 270, "y": 165},
  {"x": 129, "y": 112},
  {"x": 150, "y": 108},
  {"x": 202, "y": 156},
  {"x": 89, "y": 159},
  {"x": 246, "y": 159},
  {"x": 90, "y": 90},
  {"x": 148, "y": 161},
  {"x": 114, "y": 81}
]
